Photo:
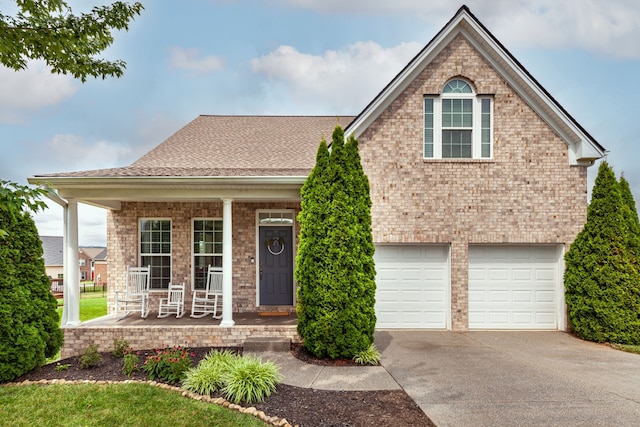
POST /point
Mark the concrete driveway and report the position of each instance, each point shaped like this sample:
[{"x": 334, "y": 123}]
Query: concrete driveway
[{"x": 513, "y": 378}]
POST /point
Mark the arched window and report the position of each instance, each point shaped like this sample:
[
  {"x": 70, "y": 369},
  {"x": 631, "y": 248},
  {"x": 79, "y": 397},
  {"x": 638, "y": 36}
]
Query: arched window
[{"x": 458, "y": 123}]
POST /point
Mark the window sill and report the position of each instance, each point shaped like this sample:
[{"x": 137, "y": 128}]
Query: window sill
[{"x": 458, "y": 160}]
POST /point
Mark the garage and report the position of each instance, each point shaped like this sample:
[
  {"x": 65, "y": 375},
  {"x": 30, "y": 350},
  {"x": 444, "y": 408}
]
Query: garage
[
  {"x": 412, "y": 286},
  {"x": 514, "y": 286}
]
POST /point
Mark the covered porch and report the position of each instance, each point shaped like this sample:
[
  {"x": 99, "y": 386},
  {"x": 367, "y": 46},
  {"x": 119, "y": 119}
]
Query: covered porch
[{"x": 188, "y": 332}]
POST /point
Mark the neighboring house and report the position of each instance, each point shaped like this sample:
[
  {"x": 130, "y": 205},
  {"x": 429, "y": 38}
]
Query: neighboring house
[
  {"x": 100, "y": 268},
  {"x": 52, "y": 248},
  {"x": 478, "y": 183},
  {"x": 87, "y": 257}
]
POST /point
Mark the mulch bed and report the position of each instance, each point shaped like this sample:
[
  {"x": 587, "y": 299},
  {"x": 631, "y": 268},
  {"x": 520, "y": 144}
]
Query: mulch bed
[{"x": 300, "y": 406}]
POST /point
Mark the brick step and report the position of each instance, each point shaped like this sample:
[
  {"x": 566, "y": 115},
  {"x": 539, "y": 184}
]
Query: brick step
[{"x": 266, "y": 344}]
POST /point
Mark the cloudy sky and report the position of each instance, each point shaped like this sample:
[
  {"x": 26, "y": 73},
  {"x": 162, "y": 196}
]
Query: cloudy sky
[{"x": 297, "y": 57}]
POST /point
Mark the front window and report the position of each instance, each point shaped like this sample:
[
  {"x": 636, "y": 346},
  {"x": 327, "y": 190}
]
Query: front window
[
  {"x": 457, "y": 124},
  {"x": 155, "y": 250},
  {"x": 207, "y": 249}
]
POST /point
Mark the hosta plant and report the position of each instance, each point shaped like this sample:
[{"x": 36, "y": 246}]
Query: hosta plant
[
  {"x": 207, "y": 377},
  {"x": 370, "y": 356},
  {"x": 250, "y": 380}
]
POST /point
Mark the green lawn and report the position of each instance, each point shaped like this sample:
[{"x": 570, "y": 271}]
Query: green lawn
[
  {"x": 92, "y": 305},
  {"x": 111, "y": 405},
  {"x": 627, "y": 347}
]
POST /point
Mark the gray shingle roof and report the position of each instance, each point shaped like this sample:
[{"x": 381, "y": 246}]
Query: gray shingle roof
[
  {"x": 52, "y": 248},
  {"x": 227, "y": 146}
]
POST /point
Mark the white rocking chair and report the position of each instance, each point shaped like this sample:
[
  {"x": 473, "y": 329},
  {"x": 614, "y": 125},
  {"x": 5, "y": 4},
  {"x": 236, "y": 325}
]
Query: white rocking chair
[
  {"x": 173, "y": 303},
  {"x": 205, "y": 301},
  {"x": 135, "y": 297}
]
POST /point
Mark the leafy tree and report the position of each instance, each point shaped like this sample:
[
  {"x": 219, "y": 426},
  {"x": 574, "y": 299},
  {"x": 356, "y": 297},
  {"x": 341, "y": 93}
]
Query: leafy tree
[
  {"x": 19, "y": 197},
  {"x": 29, "y": 322},
  {"x": 335, "y": 269},
  {"x": 68, "y": 43},
  {"x": 601, "y": 279}
]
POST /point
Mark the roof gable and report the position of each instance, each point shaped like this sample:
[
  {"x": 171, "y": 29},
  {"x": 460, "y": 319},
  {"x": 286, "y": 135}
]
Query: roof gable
[{"x": 583, "y": 148}]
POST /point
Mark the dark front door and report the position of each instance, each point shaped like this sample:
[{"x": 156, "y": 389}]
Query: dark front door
[{"x": 276, "y": 265}]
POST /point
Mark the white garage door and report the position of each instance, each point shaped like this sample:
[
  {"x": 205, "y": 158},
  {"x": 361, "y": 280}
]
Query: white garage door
[
  {"x": 412, "y": 286},
  {"x": 513, "y": 287}
]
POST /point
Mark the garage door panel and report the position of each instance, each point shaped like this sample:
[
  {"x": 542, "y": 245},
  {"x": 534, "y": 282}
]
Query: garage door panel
[
  {"x": 498, "y": 296},
  {"x": 412, "y": 283},
  {"x": 522, "y": 274},
  {"x": 513, "y": 287},
  {"x": 545, "y": 274},
  {"x": 522, "y": 296},
  {"x": 497, "y": 274},
  {"x": 477, "y": 274}
]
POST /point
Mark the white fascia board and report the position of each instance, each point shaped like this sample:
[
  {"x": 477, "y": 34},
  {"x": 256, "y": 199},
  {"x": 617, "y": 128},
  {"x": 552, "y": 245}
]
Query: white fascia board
[
  {"x": 108, "y": 193},
  {"x": 128, "y": 181}
]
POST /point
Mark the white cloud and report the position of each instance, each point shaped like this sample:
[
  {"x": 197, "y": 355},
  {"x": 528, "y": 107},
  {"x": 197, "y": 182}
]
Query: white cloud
[
  {"x": 342, "y": 81},
  {"x": 22, "y": 92},
  {"x": 606, "y": 27},
  {"x": 72, "y": 152},
  {"x": 191, "y": 60}
]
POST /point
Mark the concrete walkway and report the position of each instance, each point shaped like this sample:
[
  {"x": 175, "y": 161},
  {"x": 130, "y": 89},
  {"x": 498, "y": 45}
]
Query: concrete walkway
[
  {"x": 301, "y": 374},
  {"x": 492, "y": 378}
]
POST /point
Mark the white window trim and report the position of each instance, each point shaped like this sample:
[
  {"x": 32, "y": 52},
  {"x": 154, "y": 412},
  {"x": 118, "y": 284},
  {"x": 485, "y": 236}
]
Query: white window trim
[
  {"x": 193, "y": 253},
  {"x": 476, "y": 130},
  {"x": 170, "y": 254}
]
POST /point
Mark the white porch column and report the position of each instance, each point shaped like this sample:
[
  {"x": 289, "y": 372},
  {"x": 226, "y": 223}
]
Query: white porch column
[
  {"x": 71, "y": 309},
  {"x": 227, "y": 265}
]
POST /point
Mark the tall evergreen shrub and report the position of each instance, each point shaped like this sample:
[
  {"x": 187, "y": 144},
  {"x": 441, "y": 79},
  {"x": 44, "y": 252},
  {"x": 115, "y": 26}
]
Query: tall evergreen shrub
[
  {"x": 335, "y": 269},
  {"x": 633, "y": 241},
  {"x": 601, "y": 278},
  {"x": 29, "y": 323}
]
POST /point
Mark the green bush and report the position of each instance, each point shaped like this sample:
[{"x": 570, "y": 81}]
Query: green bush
[
  {"x": 602, "y": 283},
  {"x": 169, "y": 365},
  {"x": 335, "y": 271},
  {"x": 90, "y": 357},
  {"x": 29, "y": 324},
  {"x": 250, "y": 380},
  {"x": 207, "y": 377}
]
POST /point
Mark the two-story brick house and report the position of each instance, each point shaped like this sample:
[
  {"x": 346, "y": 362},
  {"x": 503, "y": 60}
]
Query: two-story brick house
[{"x": 478, "y": 183}]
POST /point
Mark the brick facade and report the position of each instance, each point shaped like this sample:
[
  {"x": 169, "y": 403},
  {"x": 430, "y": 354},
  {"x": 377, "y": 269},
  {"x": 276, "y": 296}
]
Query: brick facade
[
  {"x": 528, "y": 192},
  {"x": 122, "y": 240},
  {"x": 76, "y": 340}
]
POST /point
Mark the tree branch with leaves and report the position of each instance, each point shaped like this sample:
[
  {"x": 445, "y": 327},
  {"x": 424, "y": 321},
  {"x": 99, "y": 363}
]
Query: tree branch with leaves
[
  {"x": 21, "y": 198},
  {"x": 48, "y": 30}
]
